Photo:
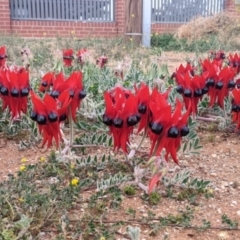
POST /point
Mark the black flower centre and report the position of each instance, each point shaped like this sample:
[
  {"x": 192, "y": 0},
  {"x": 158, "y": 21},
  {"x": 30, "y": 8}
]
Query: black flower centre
[
  {"x": 107, "y": 120},
  {"x": 156, "y": 128}
]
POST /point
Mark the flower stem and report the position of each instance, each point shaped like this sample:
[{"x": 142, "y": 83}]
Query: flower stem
[
  {"x": 156, "y": 146},
  {"x": 207, "y": 119},
  {"x": 71, "y": 129},
  {"x": 143, "y": 137}
]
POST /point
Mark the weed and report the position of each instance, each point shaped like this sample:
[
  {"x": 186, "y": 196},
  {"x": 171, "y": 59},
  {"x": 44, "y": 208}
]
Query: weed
[
  {"x": 129, "y": 190},
  {"x": 154, "y": 198},
  {"x": 233, "y": 224},
  {"x": 131, "y": 212},
  {"x": 205, "y": 225},
  {"x": 211, "y": 138}
]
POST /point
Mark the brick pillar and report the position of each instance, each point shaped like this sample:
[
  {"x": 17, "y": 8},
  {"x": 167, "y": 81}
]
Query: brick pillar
[
  {"x": 120, "y": 17},
  {"x": 232, "y": 7},
  {"x": 5, "y": 21}
]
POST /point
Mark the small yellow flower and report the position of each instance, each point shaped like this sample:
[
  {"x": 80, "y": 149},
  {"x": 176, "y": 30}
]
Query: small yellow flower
[
  {"x": 130, "y": 39},
  {"x": 42, "y": 159},
  {"x": 21, "y": 199},
  {"x": 124, "y": 47},
  {"x": 74, "y": 181},
  {"x": 74, "y": 38},
  {"x": 44, "y": 34},
  {"x": 156, "y": 33},
  {"x": 72, "y": 32},
  {"x": 72, "y": 165},
  {"x": 22, "y": 168},
  {"x": 102, "y": 238},
  {"x": 23, "y": 160},
  {"x": 133, "y": 15},
  {"x": 210, "y": 191}
]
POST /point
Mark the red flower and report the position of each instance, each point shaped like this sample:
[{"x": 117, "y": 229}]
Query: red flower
[
  {"x": 219, "y": 55},
  {"x": 58, "y": 85},
  {"x": 80, "y": 55},
  {"x": 102, "y": 61},
  {"x": 143, "y": 96},
  {"x": 76, "y": 91},
  {"x": 214, "y": 65},
  {"x": 236, "y": 107},
  {"x": 73, "y": 86},
  {"x": 192, "y": 90},
  {"x": 63, "y": 102},
  {"x": 68, "y": 57},
  {"x": 14, "y": 88},
  {"x": 45, "y": 113},
  {"x": 47, "y": 81},
  {"x": 182, "y": 70},
  {"x": 121, "y": 114},
  {"x": 159, "y": 114},
  {"x": 234, "y": 61},
  {"x": 3, "y": 56},
  {"x": 179, "y": 125},
  {"x": 168, "y": 129},
  {"x": 119, "y": 73},
  {"x": 219, "y": 81}
]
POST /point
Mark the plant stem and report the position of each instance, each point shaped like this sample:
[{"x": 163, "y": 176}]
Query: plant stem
[
  {"x": 88, "y": 145},
  {"x": 143, "y": 137},
  {"x": 71, "y": 129},
  {"x": 207, "y": 119},
  {"x": 156, "y": 146}
]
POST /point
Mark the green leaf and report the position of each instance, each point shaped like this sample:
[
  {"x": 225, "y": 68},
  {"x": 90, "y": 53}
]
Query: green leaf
[
  {"x": 104, "y": 138},
  {"x": 99, "y": 140},
  {"x": 93, "y": 138},
  {"x": 196, "y": 142},
  {"x": 110, "y": 141}
]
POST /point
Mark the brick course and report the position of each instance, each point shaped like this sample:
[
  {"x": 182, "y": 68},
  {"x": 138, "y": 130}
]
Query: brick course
[{"x": 44, "y": 28}]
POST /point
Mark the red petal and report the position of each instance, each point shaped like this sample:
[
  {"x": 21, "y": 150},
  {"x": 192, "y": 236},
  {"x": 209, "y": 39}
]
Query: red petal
[{"x": 153, "y": 182}]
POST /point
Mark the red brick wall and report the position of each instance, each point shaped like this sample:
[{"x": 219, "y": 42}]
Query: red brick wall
[
  {"x": 4, "y": 17},
  {"x": 231, "y": 7},
  {"x": 81, "y": 29},
  {"x": 31, "y": 28}
]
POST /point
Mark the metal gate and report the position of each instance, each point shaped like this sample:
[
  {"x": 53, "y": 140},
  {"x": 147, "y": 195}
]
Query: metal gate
[{"x": 181, "y": 11}]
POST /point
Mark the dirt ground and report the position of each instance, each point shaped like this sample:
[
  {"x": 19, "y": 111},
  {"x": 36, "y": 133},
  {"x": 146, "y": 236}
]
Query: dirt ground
[{"x": 218, "y": 162}]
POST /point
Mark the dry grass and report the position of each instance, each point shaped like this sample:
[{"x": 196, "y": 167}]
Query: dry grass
[{"x": 223, "y": 25}]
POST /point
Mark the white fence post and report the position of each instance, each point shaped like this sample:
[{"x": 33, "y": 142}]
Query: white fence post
[{"x": 146, "y": 23}]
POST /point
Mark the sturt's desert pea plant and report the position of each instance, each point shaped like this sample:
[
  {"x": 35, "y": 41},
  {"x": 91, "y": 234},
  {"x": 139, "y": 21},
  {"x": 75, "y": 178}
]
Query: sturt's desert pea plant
[{"x": 163, "y": 116}]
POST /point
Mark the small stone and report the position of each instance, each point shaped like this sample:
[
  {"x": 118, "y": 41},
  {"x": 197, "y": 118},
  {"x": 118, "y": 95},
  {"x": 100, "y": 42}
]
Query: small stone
[
  {"x": 219, "y": 210},
  {"x": 214, "y": 155},
  {"x": 234, "y": 202},
  {"x": 184, "y": 163},
  {"x": 238, "y": 213},
  {"x": 235, "y": 184},
  {"x": 224, "y": 184},
  {"x": 213, "y": 174}
]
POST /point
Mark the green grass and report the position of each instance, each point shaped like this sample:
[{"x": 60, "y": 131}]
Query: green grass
[{"x": 169, "y": 42}]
